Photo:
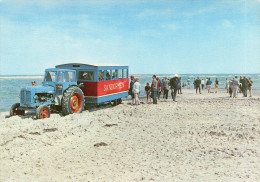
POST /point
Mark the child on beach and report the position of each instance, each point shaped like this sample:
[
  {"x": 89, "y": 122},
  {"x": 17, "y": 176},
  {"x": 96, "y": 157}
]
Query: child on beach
[
  {"x": 216, "y": 85},
  {"x": 148, "y": 92}
]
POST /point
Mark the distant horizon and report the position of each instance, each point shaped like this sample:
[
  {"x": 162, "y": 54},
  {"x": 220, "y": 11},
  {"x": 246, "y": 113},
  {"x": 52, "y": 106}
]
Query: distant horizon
[{"x": 164, "y": 74}]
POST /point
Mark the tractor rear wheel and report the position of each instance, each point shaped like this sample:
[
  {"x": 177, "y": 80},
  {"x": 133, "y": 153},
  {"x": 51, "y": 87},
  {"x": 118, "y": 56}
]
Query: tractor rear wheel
[
  {"x": 14, "y": 110},
  {"x": 43, "y": 112},
  {"x": 72, "y": 101}
]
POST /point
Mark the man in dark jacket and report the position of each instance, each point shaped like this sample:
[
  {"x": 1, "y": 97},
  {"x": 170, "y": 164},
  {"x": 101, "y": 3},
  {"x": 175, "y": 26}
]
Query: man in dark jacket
[
  {"x": 197, "y": 84},
  {"x": 245, "y": 84},
  {"x": 174, "y": 86},
  {"x": 154, "y": 89},
  {"x": 132, "y": 82}
]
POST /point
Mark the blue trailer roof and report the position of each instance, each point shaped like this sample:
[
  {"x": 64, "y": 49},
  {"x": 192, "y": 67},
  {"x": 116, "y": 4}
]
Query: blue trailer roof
[
  {"x": 58, "y": 69},
  {"x": 76, "y": 66},
  {"x": 94, "y": 64}
]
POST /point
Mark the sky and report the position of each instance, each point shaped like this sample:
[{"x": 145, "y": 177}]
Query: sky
[{"x": 151, "y": 37}]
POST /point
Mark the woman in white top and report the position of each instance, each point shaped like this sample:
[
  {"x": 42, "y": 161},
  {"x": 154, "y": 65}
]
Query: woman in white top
[
  {"x": 227, "y": 85},
  {"x": 202, "y": 84},
  {"x": 136, "y": 90}
]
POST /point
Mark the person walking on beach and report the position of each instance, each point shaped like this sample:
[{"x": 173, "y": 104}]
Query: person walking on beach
[
  {"x": 179, "y": 86},
  {"x": 132, "y": 82},
  {"x": 148, "y": 92},
  {"x": 166, "y": 83},
  {"x": 136, "y": 90},
  {"x": 227, "y": 85},
  {"x": 162, "y": 87},
  {"x": 188, "y": 83},
  {"x": 154, "y": 89},
  {"x": 230, "y": 83},
  {"x": 159, "y": 87},
  {"x": 245, "y": 84},
  {"x": 235, "y": 85},
  {"x": 202, "y": 84},
  {"x": 197, "y": 85},
  {"x": 216, "y": 85},
  {"x": 208, "y": 84},
  {"x": 174, "y": 87},
  {"x": 240, "y": 84},
  {"x": 250, "y": 86}
]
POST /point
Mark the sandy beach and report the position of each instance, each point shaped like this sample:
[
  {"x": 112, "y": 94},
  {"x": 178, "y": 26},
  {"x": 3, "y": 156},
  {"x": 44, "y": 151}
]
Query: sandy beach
[{"x": 202, "y": 137}]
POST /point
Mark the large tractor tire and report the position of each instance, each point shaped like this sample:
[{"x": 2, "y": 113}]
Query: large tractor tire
[
  {"x": 14, "y": 110},
  {"x": 43, "y": 112},
  {"x": 72, "y": 101}
]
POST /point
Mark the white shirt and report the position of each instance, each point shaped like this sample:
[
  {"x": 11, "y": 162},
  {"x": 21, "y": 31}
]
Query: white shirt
[{"x": 137, "y": 86}]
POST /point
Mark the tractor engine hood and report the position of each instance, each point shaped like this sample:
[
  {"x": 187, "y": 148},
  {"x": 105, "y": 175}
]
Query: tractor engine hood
[{"x": 39, "y": 89}]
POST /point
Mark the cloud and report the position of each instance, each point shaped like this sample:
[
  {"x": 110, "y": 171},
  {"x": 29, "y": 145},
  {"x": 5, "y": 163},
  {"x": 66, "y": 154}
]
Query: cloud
[{"x": 227, "y": 24}]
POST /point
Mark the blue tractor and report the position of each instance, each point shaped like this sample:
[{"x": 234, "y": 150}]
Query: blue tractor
[{"x": 59, "y": 92}]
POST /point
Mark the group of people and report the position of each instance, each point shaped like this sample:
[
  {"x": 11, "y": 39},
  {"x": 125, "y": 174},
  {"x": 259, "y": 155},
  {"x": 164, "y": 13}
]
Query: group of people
[
  {"x": 156, "y": 89},
  {"x": 243, "y": 85},
  {"x": 162, "y": 87},
  {"x": 199, "y": 85}
]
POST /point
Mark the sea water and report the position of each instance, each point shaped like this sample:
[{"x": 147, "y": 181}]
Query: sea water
[{"x": 10, "y": 86}]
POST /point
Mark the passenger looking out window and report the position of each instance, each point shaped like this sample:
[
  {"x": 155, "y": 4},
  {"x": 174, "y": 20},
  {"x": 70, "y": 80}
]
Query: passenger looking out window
[
  {"x": 114, "y": 74},
  {"x": 86, "y": 75},
  {"x": 101, "y": 75},
  {"x": 108, "y": 75}
]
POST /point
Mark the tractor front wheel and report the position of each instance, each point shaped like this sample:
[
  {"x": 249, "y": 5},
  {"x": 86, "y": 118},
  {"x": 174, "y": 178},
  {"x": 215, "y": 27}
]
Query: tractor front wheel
[
  {"x": 43, "y": 112},
  {"x": 72, "y": 101},
  {"x": 15, "y": 111}
]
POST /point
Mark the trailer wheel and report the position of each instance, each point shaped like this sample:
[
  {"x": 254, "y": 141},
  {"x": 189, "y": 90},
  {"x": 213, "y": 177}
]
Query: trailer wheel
[
  {"x": 72, "y": 101},
  {"x": 117, "y": 102},
  {"x": 14, "y": 110},
  {"x": 43, "y": 112}
]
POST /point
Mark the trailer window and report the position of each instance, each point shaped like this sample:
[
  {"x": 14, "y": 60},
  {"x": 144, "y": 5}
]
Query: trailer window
[
  {"x": 125, "y": 74},
  {"x": 108, "y": 74},
  {"x": 50, "y": 76},
  {"x": 120, "y": 73},
  {"x": 86, "y": 75},
  {"x": 114, "y": 74},
  {"x": 101, "y": 75}
]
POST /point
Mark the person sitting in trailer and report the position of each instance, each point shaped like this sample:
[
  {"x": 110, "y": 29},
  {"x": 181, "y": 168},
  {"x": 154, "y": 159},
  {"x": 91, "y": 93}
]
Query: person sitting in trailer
[
  {"x": 85, "y": 76},
  {"x": 100, "y": 77},
  {"x": 114, "y": 76},
  {"x": 107, "y": 76}
]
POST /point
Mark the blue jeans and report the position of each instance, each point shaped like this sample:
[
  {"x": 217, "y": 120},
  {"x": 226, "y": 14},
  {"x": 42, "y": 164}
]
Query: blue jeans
[
  {"x": 174, "y": 92},
  {"x": 154, "y": 94}
]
